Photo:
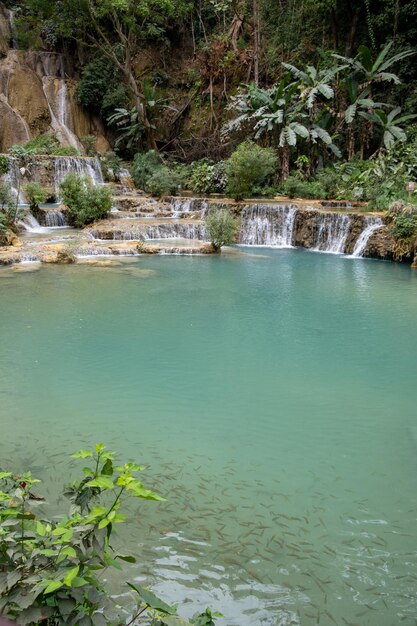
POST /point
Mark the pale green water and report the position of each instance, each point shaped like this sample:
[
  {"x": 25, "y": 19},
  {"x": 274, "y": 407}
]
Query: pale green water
[{"x": 273, "y": 396}]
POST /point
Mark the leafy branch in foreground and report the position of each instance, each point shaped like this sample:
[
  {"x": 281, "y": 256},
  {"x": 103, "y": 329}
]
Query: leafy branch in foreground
[{"x": 50, "y": 570}]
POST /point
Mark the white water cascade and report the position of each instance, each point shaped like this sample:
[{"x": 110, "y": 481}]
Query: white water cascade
[
  {"x": 371, "y": 224},
  {"x": 31, "y": 224},
  {"x": 13, "y": 29},
  {"x": 166, "y": 230},
  {"x": 332, "y": 232},
  {"x": 126, "y": 180},
  {"x": 268, "y": 225},
  {"x": 179, "y": 206},
  {"x": 89, "y": 167},
  {"x": 55, "y": 219},
  {"x": 14, "y": 179},
  {"x": 56, "y": 93}
]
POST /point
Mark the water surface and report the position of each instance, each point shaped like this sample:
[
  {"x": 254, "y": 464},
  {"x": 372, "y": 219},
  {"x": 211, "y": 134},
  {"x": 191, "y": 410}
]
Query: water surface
[{"x": 272, "y": 395}]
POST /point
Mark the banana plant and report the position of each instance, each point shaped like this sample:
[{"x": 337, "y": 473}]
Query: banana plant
[
  {"x": 369, "y": 70},
  {"x": 390, "y": 124}
]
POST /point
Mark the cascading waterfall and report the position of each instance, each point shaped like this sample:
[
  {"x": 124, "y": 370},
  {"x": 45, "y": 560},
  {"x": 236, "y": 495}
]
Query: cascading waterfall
[
  {"x": 89, "y": 167},
  {"x": 55, "y": 219},
  {"x": 13, "y": 177},
  {"x": 126, "y": 180},
  {"x": 31, "y": 224},
  {"x": 371, "y": 224},
  {"x": 332, "y": 232},
  {"x": 167, "y": 230},
  {"x": 13, "y": 29},
  {"x": 56, "y": 93},
  {"x": 187, "y": 205},
  {"x": 268, "y": 225}
]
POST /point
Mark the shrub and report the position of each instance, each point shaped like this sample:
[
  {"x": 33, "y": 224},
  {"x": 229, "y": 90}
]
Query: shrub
[
  {"x": 143, "y": 167},
  {"x": 51, "y": 569},
  {"x": 86, "y": 203},
  {"x": 295, "y": 187},
  {"x": 249, "y": 166},
  {"x": 163, "y": 181},
  {"x": 111, "y": 165},
  {"x": 43, "y": 144},
  {"x": 36, "y": 194},
  {"x": 89, "y": 144},
  {"x": 95, "y": 79},
  {"x": 116, "y": 97},
  {"x": 207, "y": 177},
  {"x": 4, "y": 164},
  {"x": 222, "y": 228},
  {"x": 65, "y": 151}
]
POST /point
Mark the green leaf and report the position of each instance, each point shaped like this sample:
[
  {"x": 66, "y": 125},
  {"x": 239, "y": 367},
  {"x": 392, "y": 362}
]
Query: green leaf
[
  {"x": 127, "y": 558},
  {"x": 71, "y": 574},
  {"x": 104, "y": 522},
  {"x": 82, "y": 454},
  {"x": 53, "y": 586},
  {"x": 102, "y": 482},
  {"x": 107, "y": 469},
  {"x": 5, "y": 475},
  {"x": 40, "y": 529},
  {"x": 4, "y": 496},
  {"x": 152, "y": 600},
  {"x": 100, "y": 447},
  {"x": 68, "y": 551},
  {"x": 79, "y": 582},
  {"x": 48, "y": 552}
]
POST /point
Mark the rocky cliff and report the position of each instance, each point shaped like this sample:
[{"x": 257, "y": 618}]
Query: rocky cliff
[{"x": 37, "y": 95}]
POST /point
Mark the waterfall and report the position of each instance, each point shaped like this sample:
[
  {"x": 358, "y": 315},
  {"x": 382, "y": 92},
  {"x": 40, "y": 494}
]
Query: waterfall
[
  {"x": 166, "y": 230},
  {"x": 187, "y": 205},
  {"x": 176, "y": 231},
  {"x": 332, "y": 232},
  {"x": 126, "y": 180},
  {"x": 89, "y": 167},
  {"x": 55, "y": 219},
  {"x": 13, "y": 29},
  {"x": 31, "y": 224},
  {"x": 268, "y": 225},
  {"x": 56, "y": 93},
  {"x": 371, "y": 224},
  {"x": 13, "y": 177}
]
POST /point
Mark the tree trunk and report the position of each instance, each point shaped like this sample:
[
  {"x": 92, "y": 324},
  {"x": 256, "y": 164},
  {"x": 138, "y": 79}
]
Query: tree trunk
[
  {"x": 285, "y": 162},
  {"x": 256, "y": 41}
]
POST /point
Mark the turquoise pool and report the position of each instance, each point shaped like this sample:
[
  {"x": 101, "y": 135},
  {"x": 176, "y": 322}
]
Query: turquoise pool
[{"x": 272, "y": 395}]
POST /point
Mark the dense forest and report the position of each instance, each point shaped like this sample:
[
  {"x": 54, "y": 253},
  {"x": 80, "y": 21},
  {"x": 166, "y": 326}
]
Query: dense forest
[{"x": 329, "y": 85}]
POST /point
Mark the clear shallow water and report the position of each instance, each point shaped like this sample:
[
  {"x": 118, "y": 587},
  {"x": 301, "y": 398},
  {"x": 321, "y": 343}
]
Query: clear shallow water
[{"x": 272, "y": 395}]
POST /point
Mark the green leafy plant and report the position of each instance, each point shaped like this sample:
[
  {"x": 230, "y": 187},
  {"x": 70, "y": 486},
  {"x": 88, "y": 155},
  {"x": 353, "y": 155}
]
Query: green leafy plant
[
  {"x": 50, "y": 569},
  {"x": 249, "y": 166},
  {"x": 111, "y": 164},
  {"x": 65, "y": 151},
  {"x": 43, "y": 144},
  {"x": 4, "y": 164},
  {"x": 89, "y": 144},
  {"x": 163, "y": 181},
  {"x": 207, "y": 177},
  {"x": 6, "y": 208},
  {"x": 295, "y": 187},
  {"x": 86, "y": 202},
  {"x": 143, "y": 166},
  {"x": 36, "y": 194},
  {"x": 222, "y": 228}
]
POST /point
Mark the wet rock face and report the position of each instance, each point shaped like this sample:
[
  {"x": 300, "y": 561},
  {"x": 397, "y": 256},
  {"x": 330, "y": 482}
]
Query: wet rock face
[
  {"x": 5, "y": 31},
  {"x": 37, "y": 96},
  {"x": 380, "y": 245}
]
